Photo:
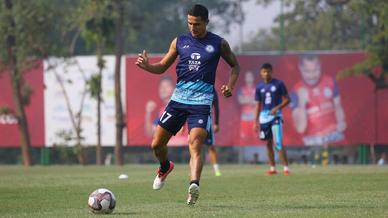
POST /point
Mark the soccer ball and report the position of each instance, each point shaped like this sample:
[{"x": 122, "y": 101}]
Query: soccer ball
[{"x": 102, "y": 201}]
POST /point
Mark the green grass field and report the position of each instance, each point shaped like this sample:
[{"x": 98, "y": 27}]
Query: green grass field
[{"x": 242, "y": 191}]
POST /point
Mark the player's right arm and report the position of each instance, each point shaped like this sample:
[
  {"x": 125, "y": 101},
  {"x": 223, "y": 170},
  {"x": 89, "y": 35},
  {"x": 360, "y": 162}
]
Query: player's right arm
[
  {"x": 161, "y": 66},
  {"x": 256, "y": 125},
  {"x": 299, "y": 114}
]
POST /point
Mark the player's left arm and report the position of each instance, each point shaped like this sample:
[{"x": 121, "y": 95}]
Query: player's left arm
[
  {"x": 216, "y": 127},
  {"x": 285, "y": 99},
  {"x": 339, "y": 114},
  {"x": 338, "y": 110},
  {"x": 256, "y": 125},
  {"x": 285, "y": 102},
  {"x": 230, "y": 58}
]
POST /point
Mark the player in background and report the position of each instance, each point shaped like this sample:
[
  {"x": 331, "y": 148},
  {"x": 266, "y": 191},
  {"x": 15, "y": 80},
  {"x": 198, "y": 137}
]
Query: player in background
[
  {"x": 165, "y": 89},
  {"x": 210, "y": 140},
  {"x": 151, "y": 119},
  {"x": 199, "y": 52},
  {"x": 271, "y": 96},
  {"x": 316, "y": 104},
  {"x": 246, "y": 99}
]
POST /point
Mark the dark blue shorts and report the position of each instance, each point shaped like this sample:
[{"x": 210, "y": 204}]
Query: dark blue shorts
[
  {"x": 210, "y": 140},
  {"x": 266, "y": 129},
  {"x": 176, "y": 114}
]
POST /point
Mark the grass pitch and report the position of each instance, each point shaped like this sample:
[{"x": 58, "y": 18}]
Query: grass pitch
[{"x": 242, "y": 191}]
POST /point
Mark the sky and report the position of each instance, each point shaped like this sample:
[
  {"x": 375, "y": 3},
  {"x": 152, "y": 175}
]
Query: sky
[{"x": 256, "y": 17}]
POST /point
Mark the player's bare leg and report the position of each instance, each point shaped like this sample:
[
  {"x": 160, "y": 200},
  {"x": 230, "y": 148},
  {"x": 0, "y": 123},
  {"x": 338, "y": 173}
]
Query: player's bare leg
[
  {"x": 159, "y": 147},
  {"x": 277, "y": 141},
  {"x": 159, "y": 143},
  {"x": 196, "y": 139},
  {"x": 271, "y": 157},
  {"x": 214, "y": 159}
]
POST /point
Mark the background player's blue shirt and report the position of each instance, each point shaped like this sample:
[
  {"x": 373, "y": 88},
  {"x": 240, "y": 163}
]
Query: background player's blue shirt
[
  {"x": 270, "y": 94},
  {"x": 196, "y": 68}
]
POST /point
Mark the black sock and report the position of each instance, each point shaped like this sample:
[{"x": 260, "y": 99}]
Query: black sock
[
  {"x": 194, "y": 181},
  {"x": 164, "y": 166}
]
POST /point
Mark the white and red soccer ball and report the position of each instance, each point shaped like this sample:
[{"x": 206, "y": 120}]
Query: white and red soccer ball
[{"x": 102, "y": 201}]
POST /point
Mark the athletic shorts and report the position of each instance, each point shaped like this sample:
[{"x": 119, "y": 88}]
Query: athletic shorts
[
  {"x": 176, "y": 114},
  {"x": 266, "y": 129},
  {"x": 210, "y": 140}
]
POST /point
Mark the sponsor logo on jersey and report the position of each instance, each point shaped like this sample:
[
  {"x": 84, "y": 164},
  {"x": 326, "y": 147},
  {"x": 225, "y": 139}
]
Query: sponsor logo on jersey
[
  {"x": 195, "y": 56},
  {"x": 194, "y": 62}
]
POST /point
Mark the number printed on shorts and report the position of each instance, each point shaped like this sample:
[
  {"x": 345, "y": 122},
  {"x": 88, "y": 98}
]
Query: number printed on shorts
[{"x": 165, "y": 116}]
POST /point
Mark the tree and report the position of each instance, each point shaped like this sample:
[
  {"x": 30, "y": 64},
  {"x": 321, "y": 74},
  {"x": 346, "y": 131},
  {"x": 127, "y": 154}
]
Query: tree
[
  {"x": 75, "y": 116},
  {"x": 375, "y": 67},
  {"x": 320, "y": 25},
  {"x": 119, "y": 7},
  {"x": 25, "y": 38},
  {"x": 96, "y": 21},
  {"x": 337, "y": 24}
]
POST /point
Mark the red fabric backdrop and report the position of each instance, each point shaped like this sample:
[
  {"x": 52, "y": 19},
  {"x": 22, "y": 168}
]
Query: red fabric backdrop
[{"x": 9, "y": 132}]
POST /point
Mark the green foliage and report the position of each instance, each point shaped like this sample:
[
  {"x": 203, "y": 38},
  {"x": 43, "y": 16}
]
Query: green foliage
[
  {"x": 94, "y": 86},
  {"x": 335, "y": 25},
  {"x": 38, "y": 26},
  {"x": 4, "y": 110},
  {"x": 322, "y": 25}
]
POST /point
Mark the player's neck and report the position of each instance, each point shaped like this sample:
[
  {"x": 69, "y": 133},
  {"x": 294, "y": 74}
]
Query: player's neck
[
  {"x": 268, "y": 80},
  {"x": 203, "y": 35}
]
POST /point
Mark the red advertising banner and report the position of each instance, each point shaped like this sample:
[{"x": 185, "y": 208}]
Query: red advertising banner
[
  {"x": 323, "y": 110},
  {"x": 9, "y": 131}
]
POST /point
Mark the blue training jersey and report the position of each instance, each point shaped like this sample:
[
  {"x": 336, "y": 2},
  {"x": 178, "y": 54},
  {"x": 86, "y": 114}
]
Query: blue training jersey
[
  {"x": 196, "y": 68},
  {"x": 270, "y": 94}
]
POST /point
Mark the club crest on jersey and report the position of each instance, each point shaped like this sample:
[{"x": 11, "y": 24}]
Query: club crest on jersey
[
  {"x": 209, "y": 48},
  {"x": 273, "y": 89},
  {"x": 327, "y": 92}
]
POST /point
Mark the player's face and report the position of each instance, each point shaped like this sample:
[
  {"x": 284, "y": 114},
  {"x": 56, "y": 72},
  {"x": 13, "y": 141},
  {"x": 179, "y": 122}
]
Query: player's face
[
  {"x": 165, "y": 90},
  {"x": 197, "y": 26},
  {"x": 311, "y": 71},
  {"x": 266, "y": 74}
]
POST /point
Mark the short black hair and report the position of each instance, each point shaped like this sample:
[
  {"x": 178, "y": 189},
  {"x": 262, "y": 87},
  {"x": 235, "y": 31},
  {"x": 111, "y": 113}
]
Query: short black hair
[
  {"x": 199, "y": 11},
  {"x": 266, "y": 66}
]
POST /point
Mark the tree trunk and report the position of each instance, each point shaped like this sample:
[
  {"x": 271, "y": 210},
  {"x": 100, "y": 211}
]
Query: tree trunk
[
  {"x": 119, "y": 110},
  {"x": 100, "y": 67},
  {"x": 80, "y": 149},
  {"x": 17, "y": 78}
]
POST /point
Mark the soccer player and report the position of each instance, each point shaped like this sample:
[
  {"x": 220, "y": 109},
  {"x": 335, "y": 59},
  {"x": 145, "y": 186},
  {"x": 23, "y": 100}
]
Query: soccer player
[
  {"x": 199, "y": 52},
  {"x": 271, "y": 96},
  {"x": 210, "y": 140}
]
